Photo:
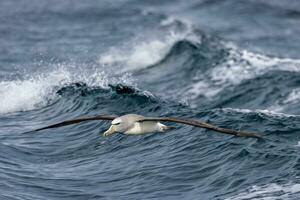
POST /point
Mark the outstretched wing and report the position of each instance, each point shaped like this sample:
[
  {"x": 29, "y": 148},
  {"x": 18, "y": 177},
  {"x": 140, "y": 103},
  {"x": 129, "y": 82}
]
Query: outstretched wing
[
  {"x": 200, "y": 124},
  {"x": 75, "y": 121}
]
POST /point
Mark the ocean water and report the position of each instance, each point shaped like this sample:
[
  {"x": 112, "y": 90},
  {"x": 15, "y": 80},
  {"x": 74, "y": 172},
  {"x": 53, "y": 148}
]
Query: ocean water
[{"x": 234, "y": 64}]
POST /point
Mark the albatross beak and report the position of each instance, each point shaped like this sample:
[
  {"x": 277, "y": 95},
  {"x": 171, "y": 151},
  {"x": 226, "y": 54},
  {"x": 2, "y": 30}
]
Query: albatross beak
[{"x": 110, "y": 131}]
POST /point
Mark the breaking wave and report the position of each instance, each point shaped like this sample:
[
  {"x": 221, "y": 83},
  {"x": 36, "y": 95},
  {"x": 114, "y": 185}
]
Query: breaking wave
[{"x": 37, "y": 90}]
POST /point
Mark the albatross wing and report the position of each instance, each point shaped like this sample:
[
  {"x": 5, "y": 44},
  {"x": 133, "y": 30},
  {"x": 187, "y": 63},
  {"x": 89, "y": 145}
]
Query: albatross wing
[
  {"x": 200, "y": 124},
  {"x": 75, "y": 121}
]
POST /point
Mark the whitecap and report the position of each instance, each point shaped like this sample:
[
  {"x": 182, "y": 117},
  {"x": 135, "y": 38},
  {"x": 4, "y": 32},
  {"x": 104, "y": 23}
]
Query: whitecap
[
  {"x": 293, "y": 97},
  {"x": 243, "y": 65},
  {"x": 38, "y": 89},
  {"x": 140, "y": 53},
  {"x": 259, "y": 111},
  {"x": 240, "y": 65},
  {"x": 21, "y": 95},
  {"x": 269, "y": 192}
]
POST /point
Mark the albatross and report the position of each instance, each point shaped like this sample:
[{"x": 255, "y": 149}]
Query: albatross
[{"x": 133, "y": 124}]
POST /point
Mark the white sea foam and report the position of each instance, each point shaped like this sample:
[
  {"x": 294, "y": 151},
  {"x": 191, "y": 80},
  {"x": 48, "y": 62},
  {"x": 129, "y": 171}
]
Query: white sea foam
[
  {"x": 202, "y": 88},
  {"x": 293, "y": 97},
  {"x": 20, "y": 95},
  {"x": 241, "y": 65},
  {"x": 168, "y": 21},
  {"x": 269, "y": 192},
  {"x": 245, "y": 65},
  {"x": 259, "y": 111},
  {"x": 139, "y": 53},
  {"x": 142, "y": 54},
  {"x": 36, "y": 90}
]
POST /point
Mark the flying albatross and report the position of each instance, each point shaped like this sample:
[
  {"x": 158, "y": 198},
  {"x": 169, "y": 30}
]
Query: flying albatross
[{"x": 133, "y": 124}]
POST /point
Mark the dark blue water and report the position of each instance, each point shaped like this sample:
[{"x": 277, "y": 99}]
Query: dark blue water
[{"x": 234, "y": 64}]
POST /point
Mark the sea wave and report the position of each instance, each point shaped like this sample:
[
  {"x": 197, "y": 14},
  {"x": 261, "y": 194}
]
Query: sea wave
[{"x": 214, "y": 66}]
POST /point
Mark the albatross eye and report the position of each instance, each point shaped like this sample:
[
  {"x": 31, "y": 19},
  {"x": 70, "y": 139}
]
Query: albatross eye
[{"x": 117, "y": 123}]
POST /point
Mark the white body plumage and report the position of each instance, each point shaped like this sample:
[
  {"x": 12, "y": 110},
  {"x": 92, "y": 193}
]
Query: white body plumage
[{"x": 146, "y": 127}]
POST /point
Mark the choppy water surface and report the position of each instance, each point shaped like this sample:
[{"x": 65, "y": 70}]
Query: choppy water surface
[{"x": 234, "y": 64}]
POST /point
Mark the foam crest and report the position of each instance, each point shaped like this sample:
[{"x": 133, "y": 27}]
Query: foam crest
[
  {"x": 37, "y": 90},
  {"x": 240, "y": 66},
  {"x": 259, "y": 111},
  {"x": 293, "y": 97},
  {"x": 139, "y": 54},
  {"x": 245, "y": 65},
  {"x": 21, "y": 95},
  {"x": 270, "y": 191}
]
